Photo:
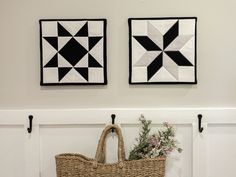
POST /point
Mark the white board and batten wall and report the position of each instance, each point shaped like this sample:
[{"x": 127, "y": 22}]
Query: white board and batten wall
[{"x": 211, "y": 153}]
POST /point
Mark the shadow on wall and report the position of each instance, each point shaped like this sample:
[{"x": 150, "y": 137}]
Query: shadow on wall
[{"x": 73, "y": 87}]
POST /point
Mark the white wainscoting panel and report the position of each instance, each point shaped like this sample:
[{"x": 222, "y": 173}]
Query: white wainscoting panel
[
  {"x": 221, "y": 154},
  {"x": 207, "y": 154},
  {"x": 12, "y": 151},
  {"x": 65, "y": 138}
]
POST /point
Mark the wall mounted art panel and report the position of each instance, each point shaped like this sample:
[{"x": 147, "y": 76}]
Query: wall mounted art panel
[
  {"x": 162, "y": 50},
  {"x": 73, "y": 52}
]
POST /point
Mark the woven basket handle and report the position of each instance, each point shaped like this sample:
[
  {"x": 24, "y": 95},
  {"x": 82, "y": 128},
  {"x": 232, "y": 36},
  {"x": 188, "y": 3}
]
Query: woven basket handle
[{"x": 101, "y": 144}]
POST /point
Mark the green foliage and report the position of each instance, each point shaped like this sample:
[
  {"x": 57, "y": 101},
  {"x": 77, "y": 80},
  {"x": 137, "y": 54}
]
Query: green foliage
[
  {"x": 142, "y": 145},
  {"x": 158, "y": 144}
]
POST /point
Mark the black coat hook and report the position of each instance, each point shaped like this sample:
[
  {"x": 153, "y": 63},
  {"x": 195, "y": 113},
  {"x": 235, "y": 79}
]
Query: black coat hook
[
  {"x": 30, "y": 124},
  {"x": 113, "y": 116},
  {"x": 200, "y": 128}
]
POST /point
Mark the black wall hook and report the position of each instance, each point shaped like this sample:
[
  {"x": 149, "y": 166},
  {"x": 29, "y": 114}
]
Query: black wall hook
[
  {"x": 200, "y": 128},
  {"x": 30, "y": 124},
  {"x": 113, "y": 116}
]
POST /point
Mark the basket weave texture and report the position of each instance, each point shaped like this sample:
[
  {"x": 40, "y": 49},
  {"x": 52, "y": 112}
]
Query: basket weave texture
[{"x": 77, "y": 165}]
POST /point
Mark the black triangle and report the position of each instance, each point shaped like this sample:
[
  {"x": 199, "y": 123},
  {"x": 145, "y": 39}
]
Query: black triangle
[
  {"x": 92, "y": 62},
  {"x": 93, "y": 41},
  {"x": 83, "y": 72},
  {"x": 53, "y": 41},
  {"x": 53, "y": 62},
  {"x": 83, "y": 31},
  {"x": 62, "y": 31},
  {"x": 63, "y": 71}
]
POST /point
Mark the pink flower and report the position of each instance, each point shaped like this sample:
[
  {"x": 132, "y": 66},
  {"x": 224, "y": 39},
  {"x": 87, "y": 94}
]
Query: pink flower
[
  {"x": 166, "y": 124},
  {"x": 167, "y": 150},
  {"x": 153, "y": 141}
]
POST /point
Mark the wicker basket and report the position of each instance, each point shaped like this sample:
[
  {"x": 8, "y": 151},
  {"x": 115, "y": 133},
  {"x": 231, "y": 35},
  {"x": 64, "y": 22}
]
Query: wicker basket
[{"x": 77, "y": 165}]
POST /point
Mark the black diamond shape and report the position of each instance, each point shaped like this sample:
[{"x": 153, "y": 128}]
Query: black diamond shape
[{"x": 73, "y": 52}]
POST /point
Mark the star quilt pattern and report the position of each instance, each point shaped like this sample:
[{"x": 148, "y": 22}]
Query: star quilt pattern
[
  {"x": 162, "y": 50},
  {"x": 73, "y": 51}
]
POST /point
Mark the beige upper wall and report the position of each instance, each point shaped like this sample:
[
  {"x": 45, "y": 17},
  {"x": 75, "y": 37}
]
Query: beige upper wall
[{"x": 20, "y": 56}]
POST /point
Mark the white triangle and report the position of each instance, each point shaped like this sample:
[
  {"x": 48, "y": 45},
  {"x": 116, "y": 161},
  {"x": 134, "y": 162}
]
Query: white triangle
[
  {"x": 62, "y": 42},
  {"x": 163, "y": 25},
  {"x": 155, "y": 35},
  {"x": 83, "y": 62},
  {"x": 73, "y": 77},
  {"x": 147, "y": 58},
  {"x": 171, "y": 66},
  {"x": 48, "y": 52},
  {"x": 72, "y": 26},
  {"x": 137, "y": 50},
  {"x": 188, "y": 50},
  {"x": 178, "y": 42},
  {"x": 83, "y": 41},
  {"x": 62, "y": 62},
  {"x": 97, "y": 52},
  {"x": 162, "y": 76}
]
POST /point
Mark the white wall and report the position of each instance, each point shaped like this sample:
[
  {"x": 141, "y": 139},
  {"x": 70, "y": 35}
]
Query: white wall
[{"x": 19, "y": 55}]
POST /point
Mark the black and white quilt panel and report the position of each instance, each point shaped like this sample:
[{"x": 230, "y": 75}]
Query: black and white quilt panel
[
  {"x": 73, "y": 52},
  {"x": 162, "y": 50}
]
